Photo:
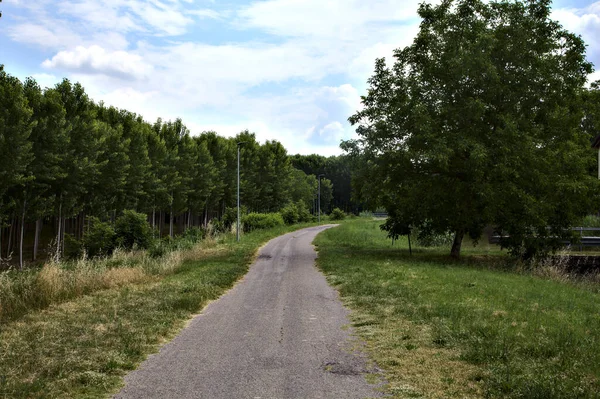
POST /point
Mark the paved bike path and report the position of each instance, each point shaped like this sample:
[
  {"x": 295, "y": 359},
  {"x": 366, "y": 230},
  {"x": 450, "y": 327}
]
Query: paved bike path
[{"x": 279, "y": 333}]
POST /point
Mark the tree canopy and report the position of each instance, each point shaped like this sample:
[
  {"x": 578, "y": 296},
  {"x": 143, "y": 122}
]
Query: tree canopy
[{"x": 478, "y": 123}]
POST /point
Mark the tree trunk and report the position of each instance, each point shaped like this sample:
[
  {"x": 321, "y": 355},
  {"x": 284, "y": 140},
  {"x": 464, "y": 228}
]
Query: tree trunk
[
  {"x": 82, "y": 225},
  {"x": 10, "y": 235},
  {"x": 58, "y": 234},
  {"x": 1, "y": 230},
  {"x": 22, "y": 235},
  {"x": 153, "y": 218},
  {"x": 36, "y": 239},
  {"x": 458, "y": 237},
  {"x": 62, "y": 239},
  {"x": 161, "y": 216},
  {"x": 171, "y": 222}
]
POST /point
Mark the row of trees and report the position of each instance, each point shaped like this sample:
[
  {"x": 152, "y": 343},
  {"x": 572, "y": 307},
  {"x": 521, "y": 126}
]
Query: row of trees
[
  {"x": 65, "y": 158},
  {"x": 484, "y": 120}
]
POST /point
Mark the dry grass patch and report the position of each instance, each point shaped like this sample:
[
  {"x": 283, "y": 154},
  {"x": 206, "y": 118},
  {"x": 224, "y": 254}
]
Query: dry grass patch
[{"x": 414, "y": 367}]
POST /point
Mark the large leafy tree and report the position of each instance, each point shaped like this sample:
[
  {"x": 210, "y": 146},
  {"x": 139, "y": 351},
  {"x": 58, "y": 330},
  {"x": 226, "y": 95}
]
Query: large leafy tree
[{"x": 478, "y": 122}]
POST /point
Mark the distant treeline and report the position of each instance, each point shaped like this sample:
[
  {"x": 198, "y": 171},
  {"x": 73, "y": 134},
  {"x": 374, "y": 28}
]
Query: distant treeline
[
  {"x": 64, "y": 158},
  {"x": 338, "y": 170}
]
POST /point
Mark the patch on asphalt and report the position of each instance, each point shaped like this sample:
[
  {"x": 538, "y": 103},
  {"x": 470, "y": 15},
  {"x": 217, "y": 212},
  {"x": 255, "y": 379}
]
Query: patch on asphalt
[
  {"x": 344, "y": 368},
  {"x": 264, "y": 256}
]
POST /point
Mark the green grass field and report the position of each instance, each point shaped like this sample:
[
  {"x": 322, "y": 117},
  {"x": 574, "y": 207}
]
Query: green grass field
[
  {"x": 82, "y": 348},
  {"x": 469, "y": 328}
]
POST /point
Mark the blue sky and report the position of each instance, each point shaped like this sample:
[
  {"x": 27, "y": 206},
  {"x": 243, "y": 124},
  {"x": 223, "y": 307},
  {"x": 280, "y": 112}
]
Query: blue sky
[{"x": 290, "y": 70}]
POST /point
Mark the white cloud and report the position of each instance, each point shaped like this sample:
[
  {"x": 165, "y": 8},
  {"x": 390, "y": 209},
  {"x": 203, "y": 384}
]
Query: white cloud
[
  {"x": 593, "y": 77},
  {"x": 278, "y": 87},
  {"x": 205, "y": 13},
  {"x": 332, "y": 133},
  {"x": 96, "y": 60},
  {"x": 585, "y": 22},
  {"x": 339, "y": 19},
  {"x": 44, "y": 36},
  {"x": 46, "y": 80},
  {"x": 162, "y": 18},
  {"x": 108, "y": 15}
]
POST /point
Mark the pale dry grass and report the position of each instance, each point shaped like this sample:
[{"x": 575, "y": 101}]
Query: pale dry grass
[
  {"x": 553, "y": 268},
  {"x": 55, "y": 282},
  {"x": 414, "y": 366}
]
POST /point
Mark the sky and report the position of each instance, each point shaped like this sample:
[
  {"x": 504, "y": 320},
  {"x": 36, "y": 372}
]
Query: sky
[{"x": 287, "y": 70}]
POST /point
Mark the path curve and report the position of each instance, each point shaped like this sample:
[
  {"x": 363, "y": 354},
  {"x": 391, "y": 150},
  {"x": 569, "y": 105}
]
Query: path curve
[{"x": 277, "y": 334}]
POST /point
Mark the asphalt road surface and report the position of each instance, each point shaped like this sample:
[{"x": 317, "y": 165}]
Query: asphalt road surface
[{"x": 277, "y": 334}]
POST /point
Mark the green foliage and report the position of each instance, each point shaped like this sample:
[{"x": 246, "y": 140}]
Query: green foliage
[
  {"x": 295, "y": 213},
  {"x": 394, "y": 227},
  {"x": 132, "y": 229},
  {"x": 469, "y": 129},
  {"x": 337, "y": 170},
  {"x": 589, "y": 221},
  {"x": 73, "y": 247},
  {"x": 66, "y": 157},
  {"x": 289, "y": 213},
  {"x": 194, "y": 234},
  {"x": 257, "y": 221},
  {"x": 158, "y": 249},
  {"x": 230, "y": 216},
  {"x": 100, "y": 239},
  {"x": 337, "y": 214},
  {"x": 429, "y": 239},
  {"x": 303, "y": 212}
]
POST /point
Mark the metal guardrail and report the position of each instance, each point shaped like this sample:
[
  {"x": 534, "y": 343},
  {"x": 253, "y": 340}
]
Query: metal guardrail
[
  {"x": 380, "y": 214},
  {"x": 585, "y": 241}
]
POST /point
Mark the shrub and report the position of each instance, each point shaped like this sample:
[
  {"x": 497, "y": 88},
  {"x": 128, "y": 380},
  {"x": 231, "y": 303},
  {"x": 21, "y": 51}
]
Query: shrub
[
  {"x": 337, "y": 214},
  {"x": 100, "y": 239},
  {"x": 303, "y": 212},
  {"x": 254, "y": 221},
  {"x": 157, "y": 249},
  {"x": 73, "y": 247},
  {"x": 194, "y": 234},
  {"x": 133, "y": 229},
  {"x": 295, "y": 213},
  {"x": 290, "y": 213},
  {"x": 425, "y": 237},
  {"x": 230, "y": 216}
]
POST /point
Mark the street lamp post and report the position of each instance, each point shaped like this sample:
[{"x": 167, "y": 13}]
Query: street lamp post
[
  {"x": 319, "y": 202},
  {"x": 237, "y": 230}
]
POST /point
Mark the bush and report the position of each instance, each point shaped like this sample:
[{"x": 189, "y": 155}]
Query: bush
[
  {"x": 133, "y": 229},
  {"x": 194, "y": 234},
  {"x": 337, "y": 214},
  {"x": 295, "y": 213},
  {"x": 426, "y": 237},
  {"x": 589, "y": 221},
  {"x": 73, "y": 247},
  {"x": 230, "y": 216},
  {"x": 290, "y": 213},
  {"x": 254, "y": 221},
  {"x": 303, "y": 212},
  {"x": 158, "y": 249},
  {"x": 100, "y": 239}
]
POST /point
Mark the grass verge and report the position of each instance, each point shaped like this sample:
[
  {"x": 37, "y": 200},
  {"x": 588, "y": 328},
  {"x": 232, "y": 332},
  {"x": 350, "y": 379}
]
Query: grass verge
[
  {"x": 82, "y": 348},
  {"x": 471, "y": 328}
]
